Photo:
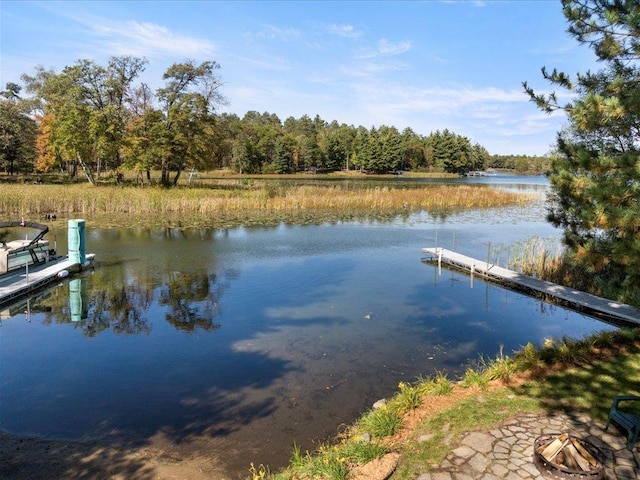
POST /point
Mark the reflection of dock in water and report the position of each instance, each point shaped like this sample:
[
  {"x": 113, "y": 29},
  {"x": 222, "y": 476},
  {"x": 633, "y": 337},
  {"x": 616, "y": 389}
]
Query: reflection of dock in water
[
  {"x": 78, "y": 301},
  {"x": 27, "y": 305},
  {"x": 575, "y": 299}
]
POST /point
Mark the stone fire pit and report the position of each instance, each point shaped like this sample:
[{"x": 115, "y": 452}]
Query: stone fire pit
[{"x": 565, "y": 457}]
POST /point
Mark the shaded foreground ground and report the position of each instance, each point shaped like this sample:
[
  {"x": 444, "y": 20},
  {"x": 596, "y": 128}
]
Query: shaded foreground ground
[
  {"x": 34, "y": 458},
  {"x": 477, "y": 433},
  {"x": 504, "y": 451}
]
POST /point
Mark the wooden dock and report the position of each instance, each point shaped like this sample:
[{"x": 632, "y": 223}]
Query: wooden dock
[
  {"x": 24, "y": 282},
  {"x": 575, "y": 299}
]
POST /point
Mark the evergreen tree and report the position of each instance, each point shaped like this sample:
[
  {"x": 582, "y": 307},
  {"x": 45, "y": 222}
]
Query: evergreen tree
[{"x": 596, "y": 174}]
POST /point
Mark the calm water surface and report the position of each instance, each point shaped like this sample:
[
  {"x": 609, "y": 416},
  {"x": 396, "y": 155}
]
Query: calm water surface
[{"x": 255, "y": 338}]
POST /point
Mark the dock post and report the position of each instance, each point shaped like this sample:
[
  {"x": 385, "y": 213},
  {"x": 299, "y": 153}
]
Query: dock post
[
  {"x": 77, "y": 240},
  {"x": 488, "y": 255},
  {"x": 472, "y": 270},
  {"x": 440, "y": 262}
]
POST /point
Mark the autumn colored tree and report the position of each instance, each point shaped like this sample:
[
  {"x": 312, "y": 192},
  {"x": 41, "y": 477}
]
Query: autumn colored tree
[
  {"x": 47, "y": 158},
  {"x": 87, "y": 106}
]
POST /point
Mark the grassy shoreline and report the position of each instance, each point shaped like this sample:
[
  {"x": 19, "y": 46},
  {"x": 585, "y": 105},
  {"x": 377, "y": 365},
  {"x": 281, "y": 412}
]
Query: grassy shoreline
[{"x": 551, "y": 377}]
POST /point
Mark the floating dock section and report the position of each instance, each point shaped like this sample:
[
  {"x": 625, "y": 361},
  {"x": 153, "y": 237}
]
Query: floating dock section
[
  {"x": 30, "y": 280},
  {"x": 22, "y": 282},
  {"x": 575, "y": 299}
]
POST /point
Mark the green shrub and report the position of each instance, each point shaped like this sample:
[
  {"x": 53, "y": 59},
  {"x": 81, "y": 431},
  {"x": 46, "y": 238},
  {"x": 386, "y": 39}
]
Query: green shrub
[
  {"x": 381, "y": 422},
  {"x": 474, "y": 378}
]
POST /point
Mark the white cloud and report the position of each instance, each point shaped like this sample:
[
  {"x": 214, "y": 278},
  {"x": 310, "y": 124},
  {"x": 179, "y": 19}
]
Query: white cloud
[
  {"x": 388, "y": 48},
  {"x": 384, "y": 48},
  {"x": 271, "y": 64},
  {"x": 436, "y": 100},
  {"x": 371, "y": 68},
  {"x": 148, "y": 39},
  {"x": 271, "y": 32},
  {"x": 347, "y": 31}
]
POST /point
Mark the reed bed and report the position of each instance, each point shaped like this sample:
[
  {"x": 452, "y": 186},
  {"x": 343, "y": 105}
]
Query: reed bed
[
  {"x": 539, "y": 257},
  {"x": 35, "y": 201}
]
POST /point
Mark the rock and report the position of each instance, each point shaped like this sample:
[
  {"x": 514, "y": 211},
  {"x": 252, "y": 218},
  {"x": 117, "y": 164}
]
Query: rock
[{"x": 380, "y": 403}]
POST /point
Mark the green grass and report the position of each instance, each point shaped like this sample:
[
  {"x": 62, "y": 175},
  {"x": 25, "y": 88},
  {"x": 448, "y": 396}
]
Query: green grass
[
  {"x": 578, "y": 375},
  {"x": 475, "y": 378},
  {"x": 500, "y": 368},
  {"x": 444, "y": 430},
  {"x": 438, "y": 385},
  {"x": 408, "y": 397},
  {"x": 381, "y": 422},
  {"x": 588, "y": 388},
  {"x": 330, "y": 462}
]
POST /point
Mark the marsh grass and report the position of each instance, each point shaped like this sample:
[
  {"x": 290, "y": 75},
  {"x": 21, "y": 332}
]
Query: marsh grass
[
  {"x": 538, "y": 257},
  {"x": 238, "y": 202},
  {"x": 549, "y": 260}
]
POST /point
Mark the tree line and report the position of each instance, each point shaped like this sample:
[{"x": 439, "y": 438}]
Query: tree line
[{"x": 98, "y": 118}]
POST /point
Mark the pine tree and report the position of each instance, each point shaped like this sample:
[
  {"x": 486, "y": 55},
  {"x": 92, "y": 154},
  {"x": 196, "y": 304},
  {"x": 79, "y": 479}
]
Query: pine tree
[{"x": 596, "y": 176}]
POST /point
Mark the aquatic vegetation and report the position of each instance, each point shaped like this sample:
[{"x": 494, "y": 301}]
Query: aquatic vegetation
[{"x": 256, "y": 202}]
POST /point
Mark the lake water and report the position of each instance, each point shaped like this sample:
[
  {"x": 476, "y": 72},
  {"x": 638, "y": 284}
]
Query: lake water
[{"x": 251, "y": 339}]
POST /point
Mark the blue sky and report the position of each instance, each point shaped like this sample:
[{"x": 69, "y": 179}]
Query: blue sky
[{"x": 428, "y": 65}]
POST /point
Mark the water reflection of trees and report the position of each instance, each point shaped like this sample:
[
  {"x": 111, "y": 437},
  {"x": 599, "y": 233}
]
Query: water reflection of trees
[
  {"x": 193, "y": 300},
  {"x": 120, "y": 309}
]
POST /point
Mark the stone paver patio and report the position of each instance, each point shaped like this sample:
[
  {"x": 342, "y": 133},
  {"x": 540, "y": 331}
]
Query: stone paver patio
[{"x": 507, "y": 452}]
